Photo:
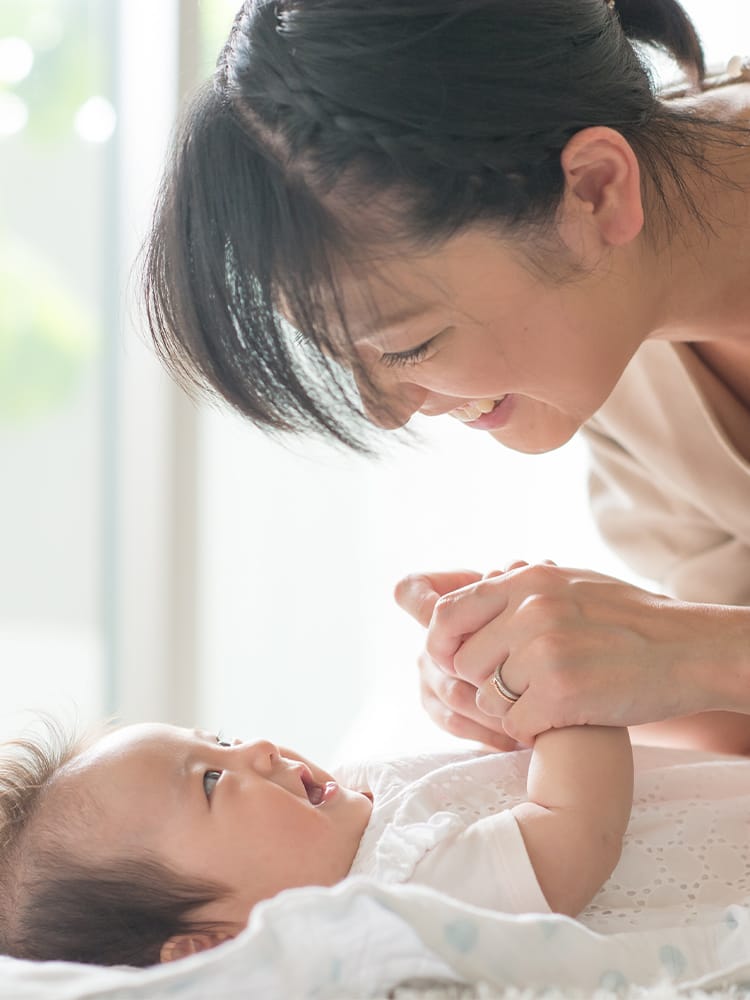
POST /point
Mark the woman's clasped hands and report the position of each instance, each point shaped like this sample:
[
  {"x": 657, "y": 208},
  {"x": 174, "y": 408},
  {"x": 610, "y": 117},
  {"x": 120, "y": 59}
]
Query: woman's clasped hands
[{"x": 576, "y": 647}]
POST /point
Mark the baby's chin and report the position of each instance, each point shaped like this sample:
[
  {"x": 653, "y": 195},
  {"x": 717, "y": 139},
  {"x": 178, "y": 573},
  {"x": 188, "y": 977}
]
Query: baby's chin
[
  {"x": 364, "y": 797},
  {"x": 360, "y": 804}
]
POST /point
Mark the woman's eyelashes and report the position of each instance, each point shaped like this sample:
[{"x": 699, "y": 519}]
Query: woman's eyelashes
[
  {"x": 410, "y": 357},
  {"x": 414, "y": 355},
  {"x": 209, "y": 782}
]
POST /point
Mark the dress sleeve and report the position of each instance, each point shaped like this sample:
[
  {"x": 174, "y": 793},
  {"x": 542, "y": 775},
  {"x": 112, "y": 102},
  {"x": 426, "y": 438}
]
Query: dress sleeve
[
  {"x": 660, "y": 533},
  {"x": 486, "y": 865}
]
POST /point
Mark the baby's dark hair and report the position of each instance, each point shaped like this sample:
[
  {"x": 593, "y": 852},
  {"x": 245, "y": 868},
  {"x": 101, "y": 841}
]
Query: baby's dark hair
[
  {"x": 339, "y": 132},
  {"x": 55, "y": 903}
]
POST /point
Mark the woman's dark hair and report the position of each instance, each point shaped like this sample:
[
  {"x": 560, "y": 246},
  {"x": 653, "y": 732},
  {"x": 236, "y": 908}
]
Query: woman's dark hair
[
  {"x": 57, "y": 904},
  {"x": 336, "y": 132}
]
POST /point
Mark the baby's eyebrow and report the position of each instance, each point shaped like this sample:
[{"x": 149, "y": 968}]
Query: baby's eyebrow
[{"x": 185, "y": 765}]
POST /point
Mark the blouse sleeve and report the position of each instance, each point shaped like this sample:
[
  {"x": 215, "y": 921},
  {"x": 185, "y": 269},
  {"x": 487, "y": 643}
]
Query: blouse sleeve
[
  {"x": 486, "y": 865},
  {"x": 659, "y": 533}
]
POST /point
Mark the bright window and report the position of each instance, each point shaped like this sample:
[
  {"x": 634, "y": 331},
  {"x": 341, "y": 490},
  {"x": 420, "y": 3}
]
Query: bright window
[{"x": 57, "y": 120}]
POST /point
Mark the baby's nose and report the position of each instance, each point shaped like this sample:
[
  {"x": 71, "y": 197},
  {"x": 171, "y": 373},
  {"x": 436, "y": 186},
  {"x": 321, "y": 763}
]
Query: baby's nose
[{"x": 262, "y": 755}]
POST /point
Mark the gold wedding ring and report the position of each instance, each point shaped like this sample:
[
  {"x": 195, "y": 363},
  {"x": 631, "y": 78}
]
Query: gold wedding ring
[{"x": 500, "y": 687}]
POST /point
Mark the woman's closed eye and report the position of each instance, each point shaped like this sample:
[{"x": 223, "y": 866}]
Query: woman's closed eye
[
  {"x": 411, "y": 357},
  {"x": 209, "y": 782}
]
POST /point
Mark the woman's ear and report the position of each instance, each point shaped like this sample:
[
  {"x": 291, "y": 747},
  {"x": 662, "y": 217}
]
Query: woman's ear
[
  {"x": 602, "y": 188},
  {"x": 182, "y": 945}
]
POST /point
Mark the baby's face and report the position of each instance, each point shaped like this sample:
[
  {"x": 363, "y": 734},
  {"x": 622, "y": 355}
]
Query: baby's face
[{"x": 248, "y": 815}]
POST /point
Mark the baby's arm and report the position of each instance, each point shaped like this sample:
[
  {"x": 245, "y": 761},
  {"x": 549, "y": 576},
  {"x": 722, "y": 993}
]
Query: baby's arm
[{"x": 580, "y": 788}]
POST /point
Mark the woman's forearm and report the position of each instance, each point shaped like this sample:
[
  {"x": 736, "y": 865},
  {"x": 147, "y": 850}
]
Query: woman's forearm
[
  {"x": 717, "y": 664},
  {"x": 716, "y": 732}
]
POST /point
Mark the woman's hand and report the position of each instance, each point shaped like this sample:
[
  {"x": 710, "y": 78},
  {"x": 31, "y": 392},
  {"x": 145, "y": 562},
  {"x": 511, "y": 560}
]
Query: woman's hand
[
  {"x": 578, "y": 647},
  {"x": 452, "y": 704},
  {"x": 449, "y": 701}
]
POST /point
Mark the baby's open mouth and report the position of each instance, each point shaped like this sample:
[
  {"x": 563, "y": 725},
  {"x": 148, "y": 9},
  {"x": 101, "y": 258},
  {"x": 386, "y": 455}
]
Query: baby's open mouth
[
  {"x": 317, "y": 794},
  {"x": 314, "y": 792}
]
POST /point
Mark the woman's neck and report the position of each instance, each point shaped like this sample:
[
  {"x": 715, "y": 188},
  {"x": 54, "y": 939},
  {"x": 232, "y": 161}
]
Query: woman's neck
[{"x": 700, "y": 281}]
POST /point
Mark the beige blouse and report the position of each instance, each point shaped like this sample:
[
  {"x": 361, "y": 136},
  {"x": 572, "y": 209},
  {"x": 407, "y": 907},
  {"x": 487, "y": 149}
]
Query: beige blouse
[{"x": 669, "y": 489}]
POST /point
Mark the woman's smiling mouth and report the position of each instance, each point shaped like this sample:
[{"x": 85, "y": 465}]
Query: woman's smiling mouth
[{"x": 477, "y": 411}]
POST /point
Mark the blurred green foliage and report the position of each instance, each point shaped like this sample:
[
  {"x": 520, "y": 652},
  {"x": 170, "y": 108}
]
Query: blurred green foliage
[
  {"x": 46, "y": 336},
  {"x": 47, "y": 333},
  {"x": 70, "y": 60}
]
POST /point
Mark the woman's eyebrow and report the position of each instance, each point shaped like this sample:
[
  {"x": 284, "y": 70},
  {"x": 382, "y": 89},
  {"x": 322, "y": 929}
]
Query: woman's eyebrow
[{"x": 395, "y": 323}]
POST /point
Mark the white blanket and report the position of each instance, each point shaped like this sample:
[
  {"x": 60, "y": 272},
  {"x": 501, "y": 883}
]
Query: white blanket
[{"x": 360, "y": 940}]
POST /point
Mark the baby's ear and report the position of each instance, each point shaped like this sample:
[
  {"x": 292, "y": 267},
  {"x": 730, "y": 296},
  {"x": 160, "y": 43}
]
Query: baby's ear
[{"x": 182, "y": 945}]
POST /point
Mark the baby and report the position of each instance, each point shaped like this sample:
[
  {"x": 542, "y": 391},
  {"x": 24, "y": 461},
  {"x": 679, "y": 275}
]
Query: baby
[{"x": 153, "y": 842}]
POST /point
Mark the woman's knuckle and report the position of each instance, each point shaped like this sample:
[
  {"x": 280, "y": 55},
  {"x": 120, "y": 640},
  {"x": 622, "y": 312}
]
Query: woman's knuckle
[
  {"x": 432, "y": 651},
  {"x": 485, "y": 586},
  {"x": 451, "y": 691},
  {"x": 461, "y": 662},
  {"x": 443, "y": 611},
  {"x": 549, "y": 647},
  {"x": 541, "y": 575},
  {"x": 430, "y": 702},
  {"x": 541, "y": 610},
  {"x": 457, "y": 724}
]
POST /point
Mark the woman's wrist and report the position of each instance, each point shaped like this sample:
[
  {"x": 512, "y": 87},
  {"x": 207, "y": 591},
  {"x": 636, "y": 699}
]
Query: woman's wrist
[{"x": 716, "y": 669}]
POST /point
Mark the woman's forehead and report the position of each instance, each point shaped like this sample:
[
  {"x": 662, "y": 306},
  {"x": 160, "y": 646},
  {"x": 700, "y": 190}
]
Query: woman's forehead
[
  {"x": 392, "y": 291},
  {"x": 391, "y": 294},
  {"x": 397, "y": 288}
]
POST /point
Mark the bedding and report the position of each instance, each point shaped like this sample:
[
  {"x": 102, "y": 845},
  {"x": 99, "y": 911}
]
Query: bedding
[{"x": 361, "y": 939}]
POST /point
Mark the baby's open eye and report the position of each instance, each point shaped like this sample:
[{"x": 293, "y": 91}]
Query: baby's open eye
[{"x": 209, "y": 782}]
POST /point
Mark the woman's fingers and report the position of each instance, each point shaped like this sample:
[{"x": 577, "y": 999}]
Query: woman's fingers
[
  {"x": 458, "y": 616},
  {"x": 522, "y": 720},
  {"x": 451, "y": 704},
  {"x": 418, "y": 593},
  {"x": 462, "y": 613},
  {"x": 525, "y": 721}
]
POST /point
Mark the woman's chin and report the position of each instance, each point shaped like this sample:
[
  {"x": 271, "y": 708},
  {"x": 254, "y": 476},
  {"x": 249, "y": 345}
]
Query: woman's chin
[{"x": 537, "y": 441}]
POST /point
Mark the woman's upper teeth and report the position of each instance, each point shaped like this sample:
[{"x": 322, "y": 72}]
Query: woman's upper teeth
[{"x": 474, "y": 409}]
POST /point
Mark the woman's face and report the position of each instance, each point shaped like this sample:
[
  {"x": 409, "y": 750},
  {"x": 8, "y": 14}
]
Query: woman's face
[{"x": 469, "y": 328}]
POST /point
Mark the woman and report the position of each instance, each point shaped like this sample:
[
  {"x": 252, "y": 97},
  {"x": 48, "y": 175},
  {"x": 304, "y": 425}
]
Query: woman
[{"x": 483, "y": 210}]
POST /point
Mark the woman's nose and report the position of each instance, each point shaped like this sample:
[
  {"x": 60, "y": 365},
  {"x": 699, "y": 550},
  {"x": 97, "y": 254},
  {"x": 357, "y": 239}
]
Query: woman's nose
[{"x": 392, "y": 407}]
